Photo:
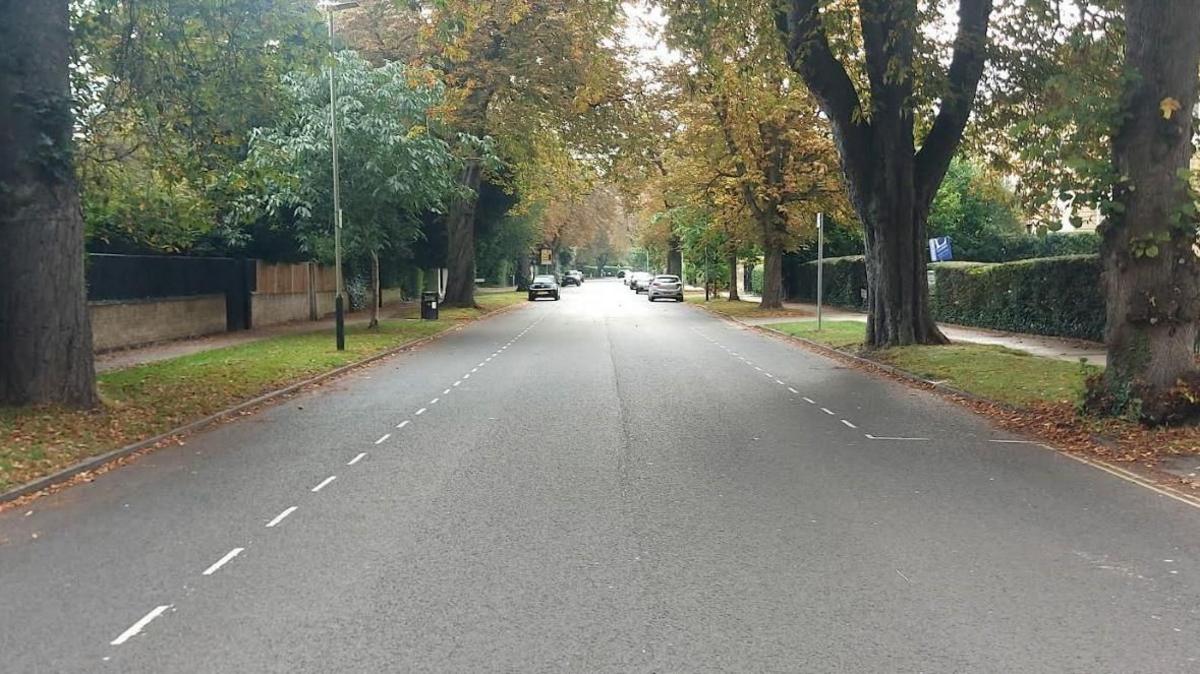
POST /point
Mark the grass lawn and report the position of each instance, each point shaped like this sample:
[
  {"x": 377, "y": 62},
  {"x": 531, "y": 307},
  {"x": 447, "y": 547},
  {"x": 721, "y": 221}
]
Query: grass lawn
[
  {"x": 993, "y": 372},
  {"x": 838, "y": 334},
  {"x": 143, "y": 401},
  {"x": 741, "y": 309}
]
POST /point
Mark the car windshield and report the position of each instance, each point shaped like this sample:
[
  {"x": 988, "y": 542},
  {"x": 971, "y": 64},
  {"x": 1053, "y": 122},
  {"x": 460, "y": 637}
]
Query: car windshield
[
  {"x": 667, "y": 279},
  {"x": 543, "y": 279}
]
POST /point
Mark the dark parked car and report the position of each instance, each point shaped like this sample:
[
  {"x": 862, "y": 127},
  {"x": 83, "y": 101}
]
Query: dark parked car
[{"x": 543, "y": 286}]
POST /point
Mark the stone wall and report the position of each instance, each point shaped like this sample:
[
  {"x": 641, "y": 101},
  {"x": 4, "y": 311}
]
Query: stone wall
[{"x": 123, "y": 323}]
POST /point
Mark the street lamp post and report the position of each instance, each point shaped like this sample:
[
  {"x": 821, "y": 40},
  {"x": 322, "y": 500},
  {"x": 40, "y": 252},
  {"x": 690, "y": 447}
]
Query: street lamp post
[{"x": 339, "y": 302}]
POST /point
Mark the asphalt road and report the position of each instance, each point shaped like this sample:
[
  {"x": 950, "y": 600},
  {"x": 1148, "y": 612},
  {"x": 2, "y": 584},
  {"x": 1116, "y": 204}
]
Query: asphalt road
[{"x": 602, "y": 484}]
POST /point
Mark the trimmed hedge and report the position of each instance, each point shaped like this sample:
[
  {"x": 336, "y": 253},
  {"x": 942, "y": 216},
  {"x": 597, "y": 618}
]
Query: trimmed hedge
[
  {"x": 1059, "y": 296},
  {"x": 844, "y": 280}
]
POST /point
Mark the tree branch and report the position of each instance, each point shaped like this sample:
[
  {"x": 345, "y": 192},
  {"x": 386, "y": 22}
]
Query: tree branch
[
  {"x": 810, "y": 56},
  {"x": 966, "y": 68}
]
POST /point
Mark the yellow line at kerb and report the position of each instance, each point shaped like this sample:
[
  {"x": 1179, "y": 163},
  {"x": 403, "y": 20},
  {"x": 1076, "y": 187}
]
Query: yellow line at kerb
[{"x": 1132, "y": 477}]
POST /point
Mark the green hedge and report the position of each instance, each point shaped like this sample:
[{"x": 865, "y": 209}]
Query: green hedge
[
  {"x": 845, "y": 278},
  {"x": 756, "y": 279},
  {"x": 1060, "y": 296}
]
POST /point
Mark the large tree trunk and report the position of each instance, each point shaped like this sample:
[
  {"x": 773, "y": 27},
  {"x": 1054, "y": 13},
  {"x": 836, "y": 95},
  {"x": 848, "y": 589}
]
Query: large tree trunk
[
  {"x": 894, "y": 233},
  {"x": 45, "y": 334},
  {"x": 1151, "y": 271},
  {"x": 733, "y": 278},
  {"x": 522, "y": 272},
  {"x": 376, "y": 298},
  {"x": 460, "y": 250},
  {"x": 772, "y": 291},
  {"x": 675, "y": 255}
]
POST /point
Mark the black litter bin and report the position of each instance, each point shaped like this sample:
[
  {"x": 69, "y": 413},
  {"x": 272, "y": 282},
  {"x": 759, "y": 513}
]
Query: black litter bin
[{"x": 429, "y": 309}]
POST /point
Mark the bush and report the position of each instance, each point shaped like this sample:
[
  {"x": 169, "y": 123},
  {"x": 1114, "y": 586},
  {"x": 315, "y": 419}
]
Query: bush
[
  {"x": 756, "y": 279},
  {"x": 845, "y": 279},
  {"x": 1060, "y": 296}
]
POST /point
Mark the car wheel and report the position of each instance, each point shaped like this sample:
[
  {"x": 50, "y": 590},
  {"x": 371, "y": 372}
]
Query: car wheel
[
  {"x": 555, "y": 297},
  {"x": 531, "y": 298}
]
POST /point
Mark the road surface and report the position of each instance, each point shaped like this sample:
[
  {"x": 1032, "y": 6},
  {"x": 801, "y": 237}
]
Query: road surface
[{"x": 602, "y": 484}]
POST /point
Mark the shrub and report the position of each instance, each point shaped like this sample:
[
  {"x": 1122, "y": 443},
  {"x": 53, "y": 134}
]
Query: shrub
[
  {"x": 1060, "y": 296},
  {"x": 845, "y": 279},
  {"x": 756, "y": 279}
]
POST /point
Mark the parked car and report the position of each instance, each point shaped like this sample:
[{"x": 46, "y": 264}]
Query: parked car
[
  {"x": 641, "y": 281},
  {"x": 665, "y": 286},
  {"x": 543, "y": 286},
  {"x": 624, "y": 275},
  {"x": 569, "y": 280},
  {"x": 577, "y": 275}
]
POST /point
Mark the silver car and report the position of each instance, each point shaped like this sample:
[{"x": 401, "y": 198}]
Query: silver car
[
  {"x": 640, "y": 281},
  {"x": 665, "y": 285}
]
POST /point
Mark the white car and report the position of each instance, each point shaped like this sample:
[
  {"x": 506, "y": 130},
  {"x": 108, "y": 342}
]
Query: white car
[{"x": 666, "y": 286}]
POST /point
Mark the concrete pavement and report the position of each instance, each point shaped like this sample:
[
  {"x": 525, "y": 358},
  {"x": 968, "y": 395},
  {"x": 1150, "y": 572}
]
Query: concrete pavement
[{"x": 603, "y": 484}]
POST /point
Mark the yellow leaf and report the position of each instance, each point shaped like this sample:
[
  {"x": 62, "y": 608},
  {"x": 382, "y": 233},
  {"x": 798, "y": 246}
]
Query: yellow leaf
[{"x": 1169, "y": 106}]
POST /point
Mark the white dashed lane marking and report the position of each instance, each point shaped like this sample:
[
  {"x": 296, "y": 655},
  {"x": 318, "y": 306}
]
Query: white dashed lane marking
[
  {"x": 222, "y": 561},
  {"x": 402, "y": 424},
  {"x": 324, "y": 483},
  {"x": 826, "y": 410},
  {"x": 382, "y": 440},
  {"x": 279, "y": 518},
  {"x": 139, "y": 625},
  {"x": 848, "y": 424},
  {"x": 356, "y": 459},
  {"x": 420, "y": 412}
]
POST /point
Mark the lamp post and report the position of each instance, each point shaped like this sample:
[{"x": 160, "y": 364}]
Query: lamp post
[{"x": 339, "y": 302}]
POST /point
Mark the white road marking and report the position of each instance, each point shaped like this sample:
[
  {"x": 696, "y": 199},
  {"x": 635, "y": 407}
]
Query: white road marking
[
  {"x": 356, "y": 459},
  {"x": 474, "y": 370},
  {"x": 849, "y": 424},
  {"x": 324, "y": 483},
  {"x": 222, "y": 561},
  {"x": 434, "y": 401},
  {"x": 446, "y": 392},
  {"x": 402, "y": 424},
  {"x": 826, "y": 410},
  {"x": 420, "y": 412},
  {"x": 458, "y": 382},
  {"x": 810, "y": 401},
  {"x": 872, "y": 437},
  {"x": 279, "y": 518},
  {"x": 758, "y": 368},
  {"x": 139, "y": 625},
  {"x": 780, "y": 382},
  {"x": 488, "y": 359},
  {"x": 382, "y": 440},
  {"x": 467, "y": 376},
  {"x": 768, "y": 374},
  {"x": 793, "y": 390},
  {"x": 481, "y": 364}
]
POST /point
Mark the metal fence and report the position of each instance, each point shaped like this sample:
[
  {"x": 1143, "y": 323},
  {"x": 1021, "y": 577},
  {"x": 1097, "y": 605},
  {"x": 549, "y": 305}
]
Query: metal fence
[{"x": 135, "y": 277}]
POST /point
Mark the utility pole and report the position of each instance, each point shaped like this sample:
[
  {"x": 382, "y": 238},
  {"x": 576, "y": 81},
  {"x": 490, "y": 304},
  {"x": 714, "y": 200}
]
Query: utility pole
[{"x": 339, "y": 302}]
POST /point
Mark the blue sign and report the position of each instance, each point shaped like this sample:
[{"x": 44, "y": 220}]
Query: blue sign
[{"x": 940, "y": 250}]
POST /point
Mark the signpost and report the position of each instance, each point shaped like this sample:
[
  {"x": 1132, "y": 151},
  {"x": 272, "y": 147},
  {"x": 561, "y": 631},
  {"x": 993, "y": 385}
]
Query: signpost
[{"x": 820, "y": 264}]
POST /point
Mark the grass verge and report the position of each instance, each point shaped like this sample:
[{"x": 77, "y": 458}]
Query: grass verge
[
  {"x": 1044, "y": 391},
  {"x": 146, "y": 400},
  {"x": 993, "y": 372},
  {"x": 742, "y": 309}
]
